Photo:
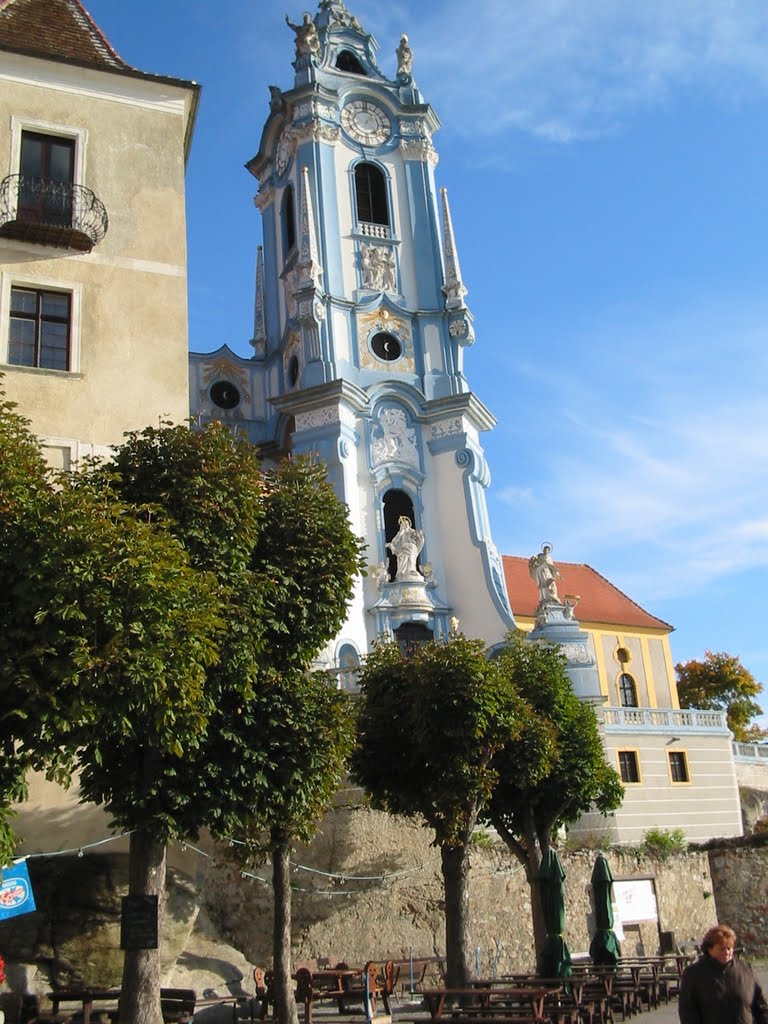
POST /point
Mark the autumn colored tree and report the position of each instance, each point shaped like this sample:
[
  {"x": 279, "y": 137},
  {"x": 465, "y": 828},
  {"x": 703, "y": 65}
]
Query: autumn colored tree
[{"x": 721, "y": 682}]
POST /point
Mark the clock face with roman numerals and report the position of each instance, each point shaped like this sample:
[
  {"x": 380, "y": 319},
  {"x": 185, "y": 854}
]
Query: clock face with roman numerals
[{"x": 366, "y": 123}]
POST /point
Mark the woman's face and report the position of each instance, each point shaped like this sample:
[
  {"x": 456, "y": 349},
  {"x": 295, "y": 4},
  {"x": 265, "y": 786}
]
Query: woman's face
[{"x": 722, "y": 952}]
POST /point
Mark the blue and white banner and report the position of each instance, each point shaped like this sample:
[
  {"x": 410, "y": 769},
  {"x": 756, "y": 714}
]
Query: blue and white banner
[{"x": 16, "y": 895}]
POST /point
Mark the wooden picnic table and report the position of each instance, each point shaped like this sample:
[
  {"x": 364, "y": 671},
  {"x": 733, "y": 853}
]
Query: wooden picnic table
[
  {"x": 341, "y": 984},
  {"x": 85, "y": 996},
  {"x": 490, "y": 999}
]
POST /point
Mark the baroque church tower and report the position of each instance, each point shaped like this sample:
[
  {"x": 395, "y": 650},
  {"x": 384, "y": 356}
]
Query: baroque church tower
[{"x": 360, "y": 329}]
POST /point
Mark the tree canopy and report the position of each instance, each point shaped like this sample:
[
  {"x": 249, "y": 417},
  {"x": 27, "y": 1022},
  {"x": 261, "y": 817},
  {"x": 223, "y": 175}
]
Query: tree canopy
[
  {"x": 721, "y": 682},
  {"x": 432, "y": 722},
  {"x": 159, "y": 613}
]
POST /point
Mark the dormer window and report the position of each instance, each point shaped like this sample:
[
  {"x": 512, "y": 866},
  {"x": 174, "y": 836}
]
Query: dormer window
[{"x": 347, "y": 61}]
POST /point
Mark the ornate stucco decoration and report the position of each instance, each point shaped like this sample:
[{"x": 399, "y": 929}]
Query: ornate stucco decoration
[
  {"x": 263, "y": 197},
  {"x": 417, "y": 127},
  {"x": 291, "y": 284},
  {"x": 446, "y": 427},
  {"x": 317, "y": 131},
  {"x": 225, "y": 370},
  {"x": 382, "y": 319},
  {"x": 377, "y": 263},
  {"x": 393, "y": 440},
  {"x": 315, "y": 418},
  {"x": 419, "y": 149}
]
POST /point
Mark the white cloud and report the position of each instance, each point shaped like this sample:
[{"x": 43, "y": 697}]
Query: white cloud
[
  {"x": 566, "y": 69},
  {"x": 514, "y": 496}
]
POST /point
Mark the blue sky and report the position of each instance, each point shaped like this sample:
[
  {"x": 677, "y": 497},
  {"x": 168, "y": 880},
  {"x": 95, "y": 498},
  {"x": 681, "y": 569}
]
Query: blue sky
[{"x": 606, "y": 166}]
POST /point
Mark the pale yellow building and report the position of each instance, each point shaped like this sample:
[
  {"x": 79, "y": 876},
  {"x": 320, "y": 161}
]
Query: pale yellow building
[
  {"x": 93, "y": 304},
  {"x": 676, "y": 763}
]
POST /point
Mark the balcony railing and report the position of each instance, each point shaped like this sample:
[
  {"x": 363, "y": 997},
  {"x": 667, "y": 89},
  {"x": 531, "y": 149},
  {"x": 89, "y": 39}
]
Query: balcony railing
[
  {"x": 51, "y": 213},
  {"x": 664, "y": 719},
  {"x": 757, "y": 753}
]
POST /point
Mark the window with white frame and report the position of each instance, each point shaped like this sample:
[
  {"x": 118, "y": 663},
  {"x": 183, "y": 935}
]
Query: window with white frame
[{"x": 40, "y": 328}]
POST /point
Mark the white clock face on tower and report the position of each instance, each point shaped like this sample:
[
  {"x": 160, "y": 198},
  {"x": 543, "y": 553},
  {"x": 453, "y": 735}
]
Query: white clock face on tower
[{"x": 366, "y": 123}]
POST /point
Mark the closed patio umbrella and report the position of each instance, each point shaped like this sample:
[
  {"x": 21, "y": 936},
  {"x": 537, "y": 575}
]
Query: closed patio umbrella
[
  {"x": 604, "y": 948},
  {"x": 555, "y": 958}
]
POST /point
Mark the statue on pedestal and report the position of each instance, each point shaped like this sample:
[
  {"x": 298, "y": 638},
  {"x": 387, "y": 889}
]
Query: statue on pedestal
[
  {"x": 545, "y": 575},
  {"x": 307, "y": 39},
  {"x": 406, "y": 545}
]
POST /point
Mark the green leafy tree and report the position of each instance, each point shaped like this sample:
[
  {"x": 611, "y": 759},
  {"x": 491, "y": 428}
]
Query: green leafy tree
[
  {"x": 164, "y": 595},
  {"x": 432, "y": 722},
  {"x": 277, "y": 738},
  {"x": 527, "y": 808},
  {"x": 720, "y": 682},
  {"x": 23, "y": 488},
  {"x": 305, "y": 729}
]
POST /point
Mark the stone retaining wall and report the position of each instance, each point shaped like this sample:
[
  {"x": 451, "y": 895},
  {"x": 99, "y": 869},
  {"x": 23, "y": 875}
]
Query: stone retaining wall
[
  {"x": 393, "y": 902},
  {"x": 740, "y": 881},
  {"x": 401, "y": 906}
]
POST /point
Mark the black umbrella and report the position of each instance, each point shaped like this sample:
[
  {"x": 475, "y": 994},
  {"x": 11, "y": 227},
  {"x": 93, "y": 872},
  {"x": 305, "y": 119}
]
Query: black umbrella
[
  {"x": 555, "y": 958},
  {"x": 604, "y": 948}
]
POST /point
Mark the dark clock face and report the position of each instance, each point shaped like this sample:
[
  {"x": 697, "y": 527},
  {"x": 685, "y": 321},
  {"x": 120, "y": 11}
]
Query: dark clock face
[
  {"x": 224, "y": 394},
  {"x": 386, "y": 346}
]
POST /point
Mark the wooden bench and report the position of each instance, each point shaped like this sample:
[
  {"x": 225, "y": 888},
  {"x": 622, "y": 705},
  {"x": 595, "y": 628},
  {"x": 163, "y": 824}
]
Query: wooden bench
[{"x": 177, "y": 1004}]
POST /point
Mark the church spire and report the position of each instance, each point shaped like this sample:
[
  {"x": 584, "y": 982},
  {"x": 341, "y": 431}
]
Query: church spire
[
  {"x": 308, "y": 263},
  {"x": 259, "y": 339}
]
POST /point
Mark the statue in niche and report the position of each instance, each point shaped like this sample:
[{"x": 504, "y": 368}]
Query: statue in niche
[
  {"x": 397, "y": 441},
  {"x": 406, "y": 545},
  {"x": 307, "y": 39},
  {"x": 404, "y": 57},
  {"x": 544, "y": 573},
  {"x": 378, "y": 265}
]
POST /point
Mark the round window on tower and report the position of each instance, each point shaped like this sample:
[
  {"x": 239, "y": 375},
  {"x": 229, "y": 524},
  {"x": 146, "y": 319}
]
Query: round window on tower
[
  {"x": 224, "y": 394},
  {"x": 386, "y": 346},
  {"x": 293, "y": 370}
]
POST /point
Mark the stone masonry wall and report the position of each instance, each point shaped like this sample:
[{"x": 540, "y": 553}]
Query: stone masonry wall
[
  {"x": 740, "y": 880},
  {"x": 363, "y": 919}
]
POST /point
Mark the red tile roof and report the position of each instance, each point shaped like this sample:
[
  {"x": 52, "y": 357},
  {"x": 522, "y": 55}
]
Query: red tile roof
[
  {"x": 600, "y": 600},
  {"x": 58, "y": 29}
]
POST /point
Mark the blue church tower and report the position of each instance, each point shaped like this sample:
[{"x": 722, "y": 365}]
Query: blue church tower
[{"x": 360, "y": 329}]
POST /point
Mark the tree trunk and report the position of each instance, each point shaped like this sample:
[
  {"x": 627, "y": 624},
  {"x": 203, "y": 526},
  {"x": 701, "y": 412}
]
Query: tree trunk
[
  {"x": 455, "y": 865},
  {"x": 285, "y": 1002},
  {"x": 140, "y": 998},
  {"x": 535, "y": 855}
]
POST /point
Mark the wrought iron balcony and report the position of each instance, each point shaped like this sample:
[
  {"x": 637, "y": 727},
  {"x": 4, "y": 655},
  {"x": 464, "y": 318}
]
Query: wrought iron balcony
[{"x": 51, "y": 213}]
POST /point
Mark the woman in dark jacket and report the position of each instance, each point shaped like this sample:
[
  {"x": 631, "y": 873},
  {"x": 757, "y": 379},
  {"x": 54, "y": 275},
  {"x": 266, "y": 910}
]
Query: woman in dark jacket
[{"x": 718, "y": 989}]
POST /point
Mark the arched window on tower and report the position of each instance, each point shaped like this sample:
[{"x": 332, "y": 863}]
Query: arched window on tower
[
  {"x": 349, "y": 666},
  {"x": 347, "y": 61},
  {"x": 288, "y": 218},
  {"x": 396, "y": 504},
  {"x": 371, "y": 195},
  {"x": 627, "y": 691}
]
